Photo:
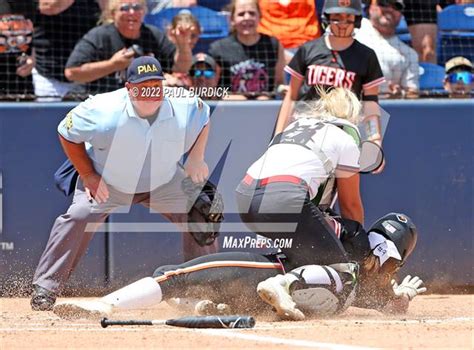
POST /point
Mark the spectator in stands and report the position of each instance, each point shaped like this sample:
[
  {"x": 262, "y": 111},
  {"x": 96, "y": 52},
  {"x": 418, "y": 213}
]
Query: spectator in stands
[
  {"x": 459, "y": 80},
  {"x": 102, "y": 56},
  {"x": 292, "y": 22},
  {"x": 203, "y": 74},
  {"x": 155, "y": 6},
  {"x": 59, "y": 24},
  {"x": 183, "y": 19},
  {"x": 421, "y": 19},
  {"x": 398, "y": 61},
  {"x": 16, "y": 61},
  {"x": 251, "y": 64}
]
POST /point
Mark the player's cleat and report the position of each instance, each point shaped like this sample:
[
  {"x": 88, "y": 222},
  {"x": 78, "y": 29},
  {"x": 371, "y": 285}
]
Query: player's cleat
[
  {"x": 42, "y": 299},
  {"x": 275, "y": 291},
  {"x": 209, "y": 308},
  {"x": 76, "y": 309}
]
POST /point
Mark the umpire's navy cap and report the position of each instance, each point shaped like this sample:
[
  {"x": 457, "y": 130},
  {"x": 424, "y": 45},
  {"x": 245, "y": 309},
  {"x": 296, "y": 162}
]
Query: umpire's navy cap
[{"x": 144, "y": 68}]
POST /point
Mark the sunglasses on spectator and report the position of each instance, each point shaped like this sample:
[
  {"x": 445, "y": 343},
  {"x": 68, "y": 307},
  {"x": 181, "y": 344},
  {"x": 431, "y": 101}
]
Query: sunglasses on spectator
[
  {"x": 198, "y": 73},
  {"x": 461, "y": 77},
  {"x": 128, "y": 7}
]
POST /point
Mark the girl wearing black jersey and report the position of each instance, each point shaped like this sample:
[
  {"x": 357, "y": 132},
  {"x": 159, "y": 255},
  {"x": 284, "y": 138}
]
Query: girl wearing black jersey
[
  {"x": 251, "y": 63},
  {"x": 336, "y": 60}
]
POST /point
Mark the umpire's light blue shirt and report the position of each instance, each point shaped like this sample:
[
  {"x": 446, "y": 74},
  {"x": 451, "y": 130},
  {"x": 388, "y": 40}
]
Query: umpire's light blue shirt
[{"x": 117, "y": 139}]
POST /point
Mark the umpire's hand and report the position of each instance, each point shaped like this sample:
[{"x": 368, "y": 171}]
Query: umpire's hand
[
  {"x": 96, "y": 188},
  {"x": 197, "y": 170}
]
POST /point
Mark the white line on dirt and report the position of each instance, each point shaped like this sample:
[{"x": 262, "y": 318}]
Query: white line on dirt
[
  {"x": 371, "y": 321},
  {"x": 281, "y": 341}
]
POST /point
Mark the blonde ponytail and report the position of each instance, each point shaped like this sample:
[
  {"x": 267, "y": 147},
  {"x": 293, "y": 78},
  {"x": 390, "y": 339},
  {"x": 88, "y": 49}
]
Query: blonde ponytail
[{"x": 338, "y": 102}]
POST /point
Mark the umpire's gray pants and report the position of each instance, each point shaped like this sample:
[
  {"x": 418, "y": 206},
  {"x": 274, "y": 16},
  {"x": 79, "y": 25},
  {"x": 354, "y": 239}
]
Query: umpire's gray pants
[{"x": 68, "y": 240}]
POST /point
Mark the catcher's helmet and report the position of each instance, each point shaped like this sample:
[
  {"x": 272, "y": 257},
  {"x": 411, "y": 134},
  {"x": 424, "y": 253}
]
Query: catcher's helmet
[
  {"x": 351, "y": 7},
  {"x": 400, "y": 229}
]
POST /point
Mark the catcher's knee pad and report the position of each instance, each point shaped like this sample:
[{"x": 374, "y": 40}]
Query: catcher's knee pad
[
  {"x": 317, "y": 301},
  {"x": 325, "y": 290}
]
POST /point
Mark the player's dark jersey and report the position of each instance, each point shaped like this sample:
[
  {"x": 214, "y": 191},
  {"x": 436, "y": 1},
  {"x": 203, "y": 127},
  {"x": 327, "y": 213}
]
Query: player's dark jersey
[{"x": 355, "y": 68}]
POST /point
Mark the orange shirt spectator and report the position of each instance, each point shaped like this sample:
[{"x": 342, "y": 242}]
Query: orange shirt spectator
[{"x": 292, "y": 22}]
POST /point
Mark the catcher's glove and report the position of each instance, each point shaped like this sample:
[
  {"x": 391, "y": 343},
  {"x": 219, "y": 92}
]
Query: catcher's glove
[{"x": 205, "y": 207}]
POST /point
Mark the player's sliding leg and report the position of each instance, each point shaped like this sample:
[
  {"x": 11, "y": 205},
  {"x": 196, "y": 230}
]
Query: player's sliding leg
[
  {"x": 139, "y": 294},
  {"x": 223, "y": 276},
  {"x": 311, "y": 290}
]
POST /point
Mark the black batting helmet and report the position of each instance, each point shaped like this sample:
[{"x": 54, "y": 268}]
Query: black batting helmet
[
  {"x": 400, "y": 229},
  {"x": 351, "y": 7}
]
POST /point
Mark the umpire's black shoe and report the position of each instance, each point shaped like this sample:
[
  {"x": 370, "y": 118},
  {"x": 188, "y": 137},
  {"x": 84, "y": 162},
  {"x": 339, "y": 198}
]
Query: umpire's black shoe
[{"x": 42, "y": 299}]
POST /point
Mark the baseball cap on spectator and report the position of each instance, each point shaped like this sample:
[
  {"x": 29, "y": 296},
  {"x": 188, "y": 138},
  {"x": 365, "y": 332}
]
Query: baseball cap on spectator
[
  {"x": 398, "y": 4},
  {"x": 202, "y": 57},
  {"x": 144, "y": 68},
  {"x": 458, "y": 63}
]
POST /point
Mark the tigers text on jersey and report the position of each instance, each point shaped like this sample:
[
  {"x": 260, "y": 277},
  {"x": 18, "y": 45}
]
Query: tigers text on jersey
[{"x": 355, "y": 68}]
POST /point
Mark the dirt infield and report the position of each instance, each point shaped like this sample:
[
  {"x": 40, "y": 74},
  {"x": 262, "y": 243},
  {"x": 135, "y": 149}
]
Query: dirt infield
[{"x": 433, "y": 321}]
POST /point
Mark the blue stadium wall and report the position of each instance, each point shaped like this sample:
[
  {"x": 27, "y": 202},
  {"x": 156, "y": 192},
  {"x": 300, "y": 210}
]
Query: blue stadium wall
[{"x": 429, "y": 176}]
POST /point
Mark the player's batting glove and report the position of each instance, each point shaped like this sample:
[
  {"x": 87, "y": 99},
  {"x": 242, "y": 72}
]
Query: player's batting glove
[{"x": 410, "y": 287}]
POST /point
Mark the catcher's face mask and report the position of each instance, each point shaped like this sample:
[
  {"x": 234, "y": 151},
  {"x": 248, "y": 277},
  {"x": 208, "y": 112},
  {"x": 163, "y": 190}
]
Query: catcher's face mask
[
  {"x": 16, "y": 33},
  {"x": 371, "y": 155}
]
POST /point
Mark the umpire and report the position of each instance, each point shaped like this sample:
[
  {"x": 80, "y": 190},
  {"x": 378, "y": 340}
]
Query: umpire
[{"x": 126, "y": 146}]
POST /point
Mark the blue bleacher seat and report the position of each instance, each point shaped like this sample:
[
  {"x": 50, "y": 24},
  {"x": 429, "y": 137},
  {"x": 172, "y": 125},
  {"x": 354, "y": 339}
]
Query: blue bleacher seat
[
  {"x": 402, "y": 31},
  {"x": 457, "y": 18},
  {"x": 431, "y": 76},
  {"x": 402, "y": 27},
  {"x": 214, "y": 25},
  {"x": 456, "y": 32}
]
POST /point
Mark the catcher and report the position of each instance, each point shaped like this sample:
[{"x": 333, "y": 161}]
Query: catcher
[
  {"x": 287, "y": 191},
  {"x": 232, "y": 282}
]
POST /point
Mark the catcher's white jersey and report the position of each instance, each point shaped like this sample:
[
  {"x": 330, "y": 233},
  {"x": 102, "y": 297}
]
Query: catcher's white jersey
[{"x": 319, "y": 140}]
